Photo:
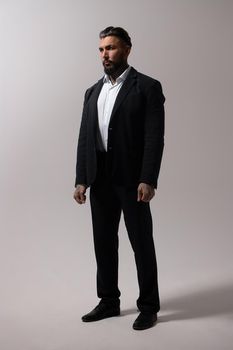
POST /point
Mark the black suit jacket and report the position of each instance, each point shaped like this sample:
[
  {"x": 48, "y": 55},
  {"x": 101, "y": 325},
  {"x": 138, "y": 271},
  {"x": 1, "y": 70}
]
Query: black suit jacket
[{"x": 135, "y": 136}]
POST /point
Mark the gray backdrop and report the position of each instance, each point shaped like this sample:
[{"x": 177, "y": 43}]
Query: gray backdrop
[{"x": 48, "y": 57}]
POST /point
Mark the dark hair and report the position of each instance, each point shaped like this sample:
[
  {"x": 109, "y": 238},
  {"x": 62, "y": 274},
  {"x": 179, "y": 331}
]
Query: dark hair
[{"x": 116, "y": 31}]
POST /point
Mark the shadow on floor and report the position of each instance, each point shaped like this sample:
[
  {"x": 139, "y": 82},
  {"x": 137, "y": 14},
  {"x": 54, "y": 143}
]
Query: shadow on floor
[
  {"x": 125, "y": 312},
  {"x": 210, "y": 301}
]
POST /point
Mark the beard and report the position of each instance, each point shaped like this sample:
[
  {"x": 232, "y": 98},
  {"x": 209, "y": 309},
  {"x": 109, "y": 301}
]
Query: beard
[{"x": 111, "y": 68}]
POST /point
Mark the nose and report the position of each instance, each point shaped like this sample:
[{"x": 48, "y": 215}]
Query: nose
[{"x": 104, "y": 54}]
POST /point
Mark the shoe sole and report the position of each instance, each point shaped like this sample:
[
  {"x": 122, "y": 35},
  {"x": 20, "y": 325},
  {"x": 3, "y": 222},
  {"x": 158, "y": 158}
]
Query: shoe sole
[
  {"x": 147, "y": 327},
  {"x": 101, "y": 318}
]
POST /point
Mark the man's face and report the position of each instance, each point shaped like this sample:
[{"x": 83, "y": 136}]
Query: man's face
[{"x": 114, "y": 53}]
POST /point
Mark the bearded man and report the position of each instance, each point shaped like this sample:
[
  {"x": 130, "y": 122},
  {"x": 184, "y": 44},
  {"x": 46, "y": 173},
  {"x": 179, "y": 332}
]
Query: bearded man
[{"x": 119, "y": 154}]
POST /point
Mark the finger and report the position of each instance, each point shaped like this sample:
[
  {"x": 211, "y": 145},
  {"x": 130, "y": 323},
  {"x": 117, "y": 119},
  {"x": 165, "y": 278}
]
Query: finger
[
  {"x": 82, "y": 198},
  {"x": 150, "y": 196},
  {"x": 145, "y": 199},
  {"x": 139, "y": 195},
  {"x": 143, "y": 193},
  {"x": 147, "y": 196},
  {"x": 78, "y": 197},
  {"x": 75, "y": 196}
]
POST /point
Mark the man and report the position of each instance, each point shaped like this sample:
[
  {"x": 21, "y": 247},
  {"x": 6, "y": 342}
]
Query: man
[{"x": 119, "y": 154}]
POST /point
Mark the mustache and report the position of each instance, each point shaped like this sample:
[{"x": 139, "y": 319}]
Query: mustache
[{"x": 107, "y": 61}]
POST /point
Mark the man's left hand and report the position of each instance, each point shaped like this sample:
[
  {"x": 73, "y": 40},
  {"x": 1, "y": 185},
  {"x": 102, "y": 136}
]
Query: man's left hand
[{"x": 145, "y": 192}]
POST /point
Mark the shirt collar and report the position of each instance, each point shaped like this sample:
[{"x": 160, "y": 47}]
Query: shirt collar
[{"x": 121, "y": 77}]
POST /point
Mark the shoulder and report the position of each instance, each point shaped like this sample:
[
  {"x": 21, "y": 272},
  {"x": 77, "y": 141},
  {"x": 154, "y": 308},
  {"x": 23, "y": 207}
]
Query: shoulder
[
  {"x": 147, "y": 81},
  {"x": 89, "y": 90},
  {"x": 92, "y": 87},
  {"x": 148, "y": 85}
]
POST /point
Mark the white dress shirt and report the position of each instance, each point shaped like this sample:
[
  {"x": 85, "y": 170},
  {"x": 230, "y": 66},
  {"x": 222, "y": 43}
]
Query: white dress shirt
[{"x": 106, "y": 101}]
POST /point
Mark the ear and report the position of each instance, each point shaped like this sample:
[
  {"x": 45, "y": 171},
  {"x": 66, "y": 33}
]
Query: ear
[{"x": 128, "y": 49}]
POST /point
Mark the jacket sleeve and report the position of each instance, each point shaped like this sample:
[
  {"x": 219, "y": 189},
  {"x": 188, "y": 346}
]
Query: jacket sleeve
[
  {"x": 81, "y": 147},
  {"x": 153, "y": 134}
]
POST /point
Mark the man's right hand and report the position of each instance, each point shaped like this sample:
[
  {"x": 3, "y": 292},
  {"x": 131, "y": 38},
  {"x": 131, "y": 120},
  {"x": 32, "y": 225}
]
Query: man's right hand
[{"x": 79, "y": 194}]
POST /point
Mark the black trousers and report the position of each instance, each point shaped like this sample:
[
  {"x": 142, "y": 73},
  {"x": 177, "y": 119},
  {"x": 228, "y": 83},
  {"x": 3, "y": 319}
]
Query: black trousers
[{"x": 107, "y": 202}]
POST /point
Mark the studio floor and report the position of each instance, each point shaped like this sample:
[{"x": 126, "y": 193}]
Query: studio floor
[{"x": 191, "y": 317}]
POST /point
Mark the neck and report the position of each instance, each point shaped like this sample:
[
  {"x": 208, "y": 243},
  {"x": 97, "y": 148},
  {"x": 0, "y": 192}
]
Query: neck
[{"x": 113, "y": 77}]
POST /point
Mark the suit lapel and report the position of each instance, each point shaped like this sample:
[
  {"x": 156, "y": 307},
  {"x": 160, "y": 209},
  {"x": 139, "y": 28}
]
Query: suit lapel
[
  {"x": 127, "y": 85},
  {"x": 93, "y": 101}
]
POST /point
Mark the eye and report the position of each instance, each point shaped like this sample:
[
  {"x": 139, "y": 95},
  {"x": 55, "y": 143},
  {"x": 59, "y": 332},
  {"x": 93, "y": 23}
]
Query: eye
[{"x": 110, "y": 47}]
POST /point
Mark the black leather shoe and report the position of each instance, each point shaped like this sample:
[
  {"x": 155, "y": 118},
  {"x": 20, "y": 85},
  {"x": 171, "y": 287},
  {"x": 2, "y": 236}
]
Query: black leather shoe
[
  {"x": 144, "y": 321},
  {"x": 100, "y": 312}
]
